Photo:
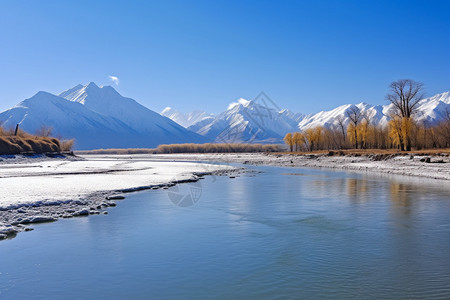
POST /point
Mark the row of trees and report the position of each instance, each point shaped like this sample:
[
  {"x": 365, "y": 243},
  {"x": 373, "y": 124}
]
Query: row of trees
[
  {"x": 368, "y": 136},
  {"x": 402, "y": 131}
]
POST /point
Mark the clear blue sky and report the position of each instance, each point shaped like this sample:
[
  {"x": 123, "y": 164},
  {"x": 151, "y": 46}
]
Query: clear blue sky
[{"x": 306, "y": 55}]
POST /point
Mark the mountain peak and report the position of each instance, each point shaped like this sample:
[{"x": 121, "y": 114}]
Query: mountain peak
[
  {"x": 240, "y": 101},
  {"x": 81, "y": 93},
  {"x": 97, "y": 118},
  {"x": 91, "y": 85},
  {"x": 42, "y": 93},
  {"x": 70, "y": 91},
  {"x": 361, "y": 104}
]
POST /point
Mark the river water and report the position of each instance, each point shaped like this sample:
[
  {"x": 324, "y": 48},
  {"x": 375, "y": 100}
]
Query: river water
[{"x": 283, "y": 233}]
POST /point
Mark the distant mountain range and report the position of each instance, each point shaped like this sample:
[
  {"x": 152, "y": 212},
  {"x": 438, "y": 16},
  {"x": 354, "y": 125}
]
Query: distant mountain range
[
  {"x": 186, "y": 120},
  {"x": 253, "y": 121},
  {"x": 246, "y": 121},
  {"x": 99, "y": 117},
  {"x": 430, "y": 110}
]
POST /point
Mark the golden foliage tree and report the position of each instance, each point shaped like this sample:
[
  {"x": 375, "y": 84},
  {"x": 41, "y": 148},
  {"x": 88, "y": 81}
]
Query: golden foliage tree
[
  {"x": 405, "y": 95},
  {"x": 355, "y": 115},
  {"x": 319, "y": 136},
  {"x": 407, "y": 126},
  {"x": 298, "y": 140},
  {"x": 395, "y": 132},
  {"x": 362, "y": 130},
  {"x": 443, "y": 131},
  {"x": 352, "y": 135},
  {"x": 289, "y": 140},
  {"x": 314, "y": 137}
]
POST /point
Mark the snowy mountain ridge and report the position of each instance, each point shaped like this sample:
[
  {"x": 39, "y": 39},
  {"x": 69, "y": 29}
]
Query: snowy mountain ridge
[
  {"x": 429, "y": 110},
  {"x": 249, "y": 121},
  {"x": 186, "y": 120},
  {"x": 97, "y": 117}
]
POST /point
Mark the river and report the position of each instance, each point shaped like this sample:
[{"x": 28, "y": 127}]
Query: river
[{"x": 282, "y": 233}]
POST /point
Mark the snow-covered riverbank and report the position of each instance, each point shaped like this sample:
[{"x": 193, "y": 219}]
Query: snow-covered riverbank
[
  {"x": 43, "y": 189},
  {"x": 438, "y": 167}
]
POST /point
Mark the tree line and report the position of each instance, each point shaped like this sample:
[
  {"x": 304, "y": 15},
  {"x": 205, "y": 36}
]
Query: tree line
[{"x": 402, "y": 131}]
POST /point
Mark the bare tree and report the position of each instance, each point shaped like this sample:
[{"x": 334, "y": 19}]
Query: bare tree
[
  {"x": 340, "y": 121},
  {"x": 355, "y": 115},
  {"x": 405, "y": 95}
]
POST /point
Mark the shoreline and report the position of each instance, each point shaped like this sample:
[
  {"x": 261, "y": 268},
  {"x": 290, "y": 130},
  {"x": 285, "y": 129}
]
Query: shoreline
[
  {"x": 419, "y": 166},
  {"x": 47, "y": 189},
  {"x": 41, "y": 190}
]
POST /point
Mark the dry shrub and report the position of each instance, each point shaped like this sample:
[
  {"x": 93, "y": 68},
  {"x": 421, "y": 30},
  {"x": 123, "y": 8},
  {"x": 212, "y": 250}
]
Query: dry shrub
[
  {"x": 44, "y": 131},
  {"x": 190, "y": 148},
  {"x": 119, "y": 151},
  {"x": 24, "y": 142},
  {"x": 8, "y": 146},
  {"x": 67, "y": 145},
  {"x": 30, "y": 144},
  {"x": 43, "y": 145},
  {"x": 56, "y": 142},
  {"x": 217, "y": 148},
  {"x": 20, "y": 133}
]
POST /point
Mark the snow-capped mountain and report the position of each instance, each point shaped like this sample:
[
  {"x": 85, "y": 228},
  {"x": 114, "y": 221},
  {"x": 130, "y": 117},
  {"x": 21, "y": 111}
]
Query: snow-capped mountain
[
  {"x": 291, "y": 116},
  {"x": 429, "y": 110},
  {"x": 432, "y": 110},
  {"x": 246, "y": 121},
  {"x": 68, "y": 119},
  {"x": 186, "y": 120},
  {"x": 97, "y": 117},
  {"x": 330, "y": 119},
  {"x": 250, "y": 121}
]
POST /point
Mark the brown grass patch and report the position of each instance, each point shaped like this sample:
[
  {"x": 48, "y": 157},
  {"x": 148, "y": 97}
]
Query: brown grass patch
[
  {"x": 118, "y": 151},
  {"x": 28, "y": 144},
  {"x": 217, "y": 148},
  {"x": 191, "y": 148}
]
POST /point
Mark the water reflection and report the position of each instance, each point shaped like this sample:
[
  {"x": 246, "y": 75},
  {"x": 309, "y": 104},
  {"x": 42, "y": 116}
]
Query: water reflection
[
  {"x": 354, "y": 189},
  {"x": 358, "y": 190},
  {"x": 401, "y": 193},
  {"x": 320, "y": 234}
]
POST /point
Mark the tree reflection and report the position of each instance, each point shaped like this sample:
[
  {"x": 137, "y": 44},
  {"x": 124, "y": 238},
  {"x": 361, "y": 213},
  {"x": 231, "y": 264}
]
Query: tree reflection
[
  {"x": 401, "y": 194},
  {"x": 327, "y": 187},
  {"x": 357, "y": 190}
]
